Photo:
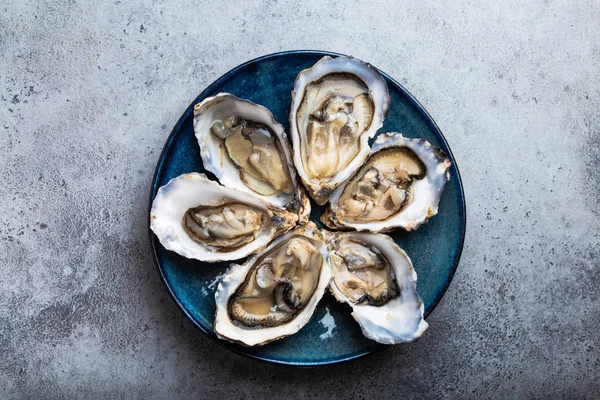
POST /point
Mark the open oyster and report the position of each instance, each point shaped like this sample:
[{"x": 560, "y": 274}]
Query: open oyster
[
  {"x": 399, "y": 186},
  {"x": 337, "y": 105},
  {"x": 275, "y": 292},
  {"x": 198, "y": 218},
  {"x": 376, "y": 278},
  {"x": 246, "y": 149}
]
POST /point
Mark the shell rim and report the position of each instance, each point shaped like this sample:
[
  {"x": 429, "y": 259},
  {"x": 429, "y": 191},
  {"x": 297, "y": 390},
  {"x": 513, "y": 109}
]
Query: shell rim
[{"x": 167, "y": 149}]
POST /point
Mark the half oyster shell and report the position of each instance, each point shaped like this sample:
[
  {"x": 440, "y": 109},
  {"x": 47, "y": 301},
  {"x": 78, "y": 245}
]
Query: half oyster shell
[
  {"x": 400, "y": 185},
  {"x": 337, "y": 106},
  {"x": 376, "y": 278},
  {"x": 198, "y": 218},
  {"x": 276, "y": 291},
  {"x": 246, "y": 149}
]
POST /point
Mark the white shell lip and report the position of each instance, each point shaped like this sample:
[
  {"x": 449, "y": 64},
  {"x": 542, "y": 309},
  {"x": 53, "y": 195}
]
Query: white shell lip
[
  {"x": 190, "y": 190},
  {"x": 401, "y": 319},
  {"x": 214, "y": 159},
  {"x": 427, "y": 191},
  {"x": 227, "y": 330},
  {"x": 321, "y": 188}
]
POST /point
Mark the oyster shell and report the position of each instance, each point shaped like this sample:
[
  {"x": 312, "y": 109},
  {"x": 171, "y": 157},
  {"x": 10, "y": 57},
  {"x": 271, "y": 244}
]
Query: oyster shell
[
  {"x": 198, "y": 218},
  {"x": 276, "y": 291},
  {"x": 246, "y": 149},
  {"x": 400, "y": 185},
  {"x": 376, "y": 278},
  {"x": 337, "y": 106}
]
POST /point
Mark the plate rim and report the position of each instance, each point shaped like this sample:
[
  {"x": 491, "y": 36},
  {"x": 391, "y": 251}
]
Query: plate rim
[{"x": 175, "y": 134}]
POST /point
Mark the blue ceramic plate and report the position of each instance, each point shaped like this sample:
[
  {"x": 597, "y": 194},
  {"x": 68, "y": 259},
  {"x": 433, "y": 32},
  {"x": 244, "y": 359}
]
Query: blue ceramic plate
[{"x": 434, "y": 248}]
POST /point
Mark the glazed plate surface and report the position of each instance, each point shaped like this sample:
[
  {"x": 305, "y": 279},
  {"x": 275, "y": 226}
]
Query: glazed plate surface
[{"x": 332, "y": 335}]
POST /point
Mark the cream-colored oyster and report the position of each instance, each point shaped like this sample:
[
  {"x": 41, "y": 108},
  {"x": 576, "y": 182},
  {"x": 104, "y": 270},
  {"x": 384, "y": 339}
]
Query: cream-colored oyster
[
  {"x": 275, "y": 292},
  {"x": 246, "y": 149},
  {"x": 200, "y": 219},
  {"x": 376, "y": 278},
  {"x": 400, "y": 185},
  {"x": 337, "y": 106}
]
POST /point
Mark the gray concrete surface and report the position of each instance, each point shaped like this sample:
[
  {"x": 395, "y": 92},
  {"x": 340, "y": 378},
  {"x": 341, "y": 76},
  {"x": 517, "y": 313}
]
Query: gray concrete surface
[{"x": 90, "y": 90}]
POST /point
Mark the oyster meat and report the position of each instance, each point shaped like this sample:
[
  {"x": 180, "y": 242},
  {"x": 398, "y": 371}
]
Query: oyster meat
[
  {"x": 198, "y": 218},
  {"x": 246, "y": 149},
  {"x": 399, "y": 186},
  {"x": 337, "y": 105},
  {"x": 275, "y": 292},
  {"x": 376, "y": 278}
]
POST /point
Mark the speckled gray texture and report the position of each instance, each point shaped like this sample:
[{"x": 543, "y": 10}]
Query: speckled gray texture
[{"x": 90, "y": 90}]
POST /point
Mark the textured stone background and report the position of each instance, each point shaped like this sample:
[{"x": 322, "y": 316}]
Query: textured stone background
[{"x": 90, "y": 90}]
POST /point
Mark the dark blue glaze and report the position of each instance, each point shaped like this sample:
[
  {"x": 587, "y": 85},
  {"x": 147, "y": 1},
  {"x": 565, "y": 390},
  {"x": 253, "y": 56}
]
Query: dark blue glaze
[{"x": 434, "y": 248}]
